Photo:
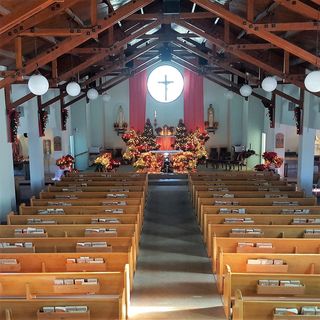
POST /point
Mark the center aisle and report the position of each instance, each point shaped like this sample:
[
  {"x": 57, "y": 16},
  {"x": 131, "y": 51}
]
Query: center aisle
[{"x": 173, "y": 278}]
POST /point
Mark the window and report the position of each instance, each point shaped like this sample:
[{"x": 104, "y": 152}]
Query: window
[{"x": 165, "y": 84}]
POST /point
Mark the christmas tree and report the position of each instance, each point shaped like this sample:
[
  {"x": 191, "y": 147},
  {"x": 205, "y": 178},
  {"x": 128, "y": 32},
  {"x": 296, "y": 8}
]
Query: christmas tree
[
  {"x": 148, "y": 139},
  {"x": 181, "y": 135}
]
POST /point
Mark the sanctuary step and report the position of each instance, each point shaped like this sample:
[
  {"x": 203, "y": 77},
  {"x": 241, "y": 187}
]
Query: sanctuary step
[{"x": 168, "y": 179}]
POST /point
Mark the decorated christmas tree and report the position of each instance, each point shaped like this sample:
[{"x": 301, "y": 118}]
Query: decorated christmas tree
[
  {"x": 148, "y": 139},
  {"x": 181, "y": 135}
]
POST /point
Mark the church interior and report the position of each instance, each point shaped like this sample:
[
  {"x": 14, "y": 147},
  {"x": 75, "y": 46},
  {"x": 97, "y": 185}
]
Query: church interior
[{"x": 160, "y": 159}]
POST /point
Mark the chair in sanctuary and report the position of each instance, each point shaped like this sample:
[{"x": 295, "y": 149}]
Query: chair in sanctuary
[
  {"x": 213, "y": 158},
  {"x": 224, "y": 157}
]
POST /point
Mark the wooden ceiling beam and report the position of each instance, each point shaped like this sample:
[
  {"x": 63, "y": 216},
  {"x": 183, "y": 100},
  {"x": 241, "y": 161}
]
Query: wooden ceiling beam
[
  {"x": 316, "y": 2},
  {"x": 68, "y": 44},
  {"x": 93, "y": 12},
  {"x": 252, "y": 46},
  {"x": 286, "y": 26},
  {"x": 268, "y": 36},
  {"x": 23, "y": 12},
  {"x": 113, "y": 49},
  {"x": 300, "y": 8},
  {"x": 56, "y": 32},
  {"x": 74, "y": 17},
  {"x": 250, "y": 10},
  {"x": 182, "y": 15},
  {"x": 38, "y": 18},
  {"x": 18, "y": 52}
]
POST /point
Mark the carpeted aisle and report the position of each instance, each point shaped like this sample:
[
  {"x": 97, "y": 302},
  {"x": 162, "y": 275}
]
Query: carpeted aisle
[{"x": 173, "y": 278}]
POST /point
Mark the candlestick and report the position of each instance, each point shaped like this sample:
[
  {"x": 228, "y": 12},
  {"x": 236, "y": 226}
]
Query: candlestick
[{"x": 155, "y": 114}]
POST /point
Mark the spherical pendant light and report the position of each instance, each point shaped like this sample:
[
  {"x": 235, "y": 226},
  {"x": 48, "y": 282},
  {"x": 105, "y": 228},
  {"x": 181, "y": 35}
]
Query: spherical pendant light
[
  {"x": 92, "y": 94},
  {"x": 38, "y": 84},
  {"x": 269, "y": 84},
  {"x": 73, "y": 89},
  {"x": 312, "y": 81},
  {"x": 106, "y": 97},
  {"x": 245, "y": 90},
  {"x": 229, "y": 95}
]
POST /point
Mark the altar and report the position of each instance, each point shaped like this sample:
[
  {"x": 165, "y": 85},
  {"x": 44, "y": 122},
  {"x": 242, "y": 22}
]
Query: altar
[{"x": 166, "y": 142}]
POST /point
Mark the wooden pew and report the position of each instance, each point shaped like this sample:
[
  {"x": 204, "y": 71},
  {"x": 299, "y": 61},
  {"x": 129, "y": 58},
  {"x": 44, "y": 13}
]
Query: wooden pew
[
  {"x": 202, "y": 196},
  {"x": 229, "y": 188},
  {"x": 35, "y": 286},
  {"x": 243, "y": 202},
  {"x": 248, "y": 284},
  {"x": 57, "y": 262},
  {"x": 62, "y": 244},
  {"x": 268, "y": 219},
  {"x": 248, "y": 308},
  {"x": 96, "y": 189},
  {"x": 295, "y": 263},
  {"x": 280, "y": 245},
  {"x": 111, "y": 308},
  {"x": 102, "y": 183},
  {"x": 268, "y": 231},
  {"x": 256, "y": 210}
]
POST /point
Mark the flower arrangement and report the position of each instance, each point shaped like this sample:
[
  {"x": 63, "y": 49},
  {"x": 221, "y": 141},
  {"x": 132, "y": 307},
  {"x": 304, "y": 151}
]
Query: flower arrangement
[
  {"x": 271, "y": 162},
  {"x": 64, "y": 118},
  {"x": 65, "y": 162},
  {"x": 149, "y": 162},
  {"x": 184, "y": 162},
  {"x": 43, "y": 119},
  {"x": 106, "y": 163},
  {"x": 14, "y": 120}
]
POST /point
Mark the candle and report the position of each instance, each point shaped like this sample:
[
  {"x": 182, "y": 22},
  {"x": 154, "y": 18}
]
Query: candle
[{"x": 155, "y": 113}]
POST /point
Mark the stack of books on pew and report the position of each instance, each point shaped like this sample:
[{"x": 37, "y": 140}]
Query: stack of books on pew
[
  {"x": 295, "y": 211},
  {"x": 99, "y": 246},
  {"x": 226, "y": 203},
  {"x": 259, "y": 247},
  {"x": 75, "y": 189},
  {"x": 30, "y": 232},
  {"x": 280, "y": 287},
  {"x": 239, "y": 232},
  {"x": 72, "y": 309},
  {"x": 62, "y": 196},
  {"x": 8, "y": 261},
  {"x": 9, "y": 265},
  {"x": 266, "y": 265},
  {"x": 280, "y": 283},
  {"x": 307, "y": 311},
  {"x": 104, "y": 220},
  {"x": 114, "y": 203},
  {"x": 51, "y": 203},
  {"x": 115, "y": 211},
  {"x": 305, "y": 221},
  {"x": 40, "y": 221},
  {"x": 227, "y": 210},
  {"x": 85, "y": 260},
  {"x": 238, "y": 220},
  {"x": 226, "y": 195},
  {"x": 285, "y": 203},
  {"x": 219, "y": 189},
  {"x": 119, "y": 190},
  {"x": 51, "y": 211},
  {"x": 270, "y": 195},
  {"x": 16, "y": 245},
  {"x": 62, "y": 282},
  {"x": 93, "y": 232},
  {"x": 117, "y": 195},
  {"x": 311, "y": 233}
]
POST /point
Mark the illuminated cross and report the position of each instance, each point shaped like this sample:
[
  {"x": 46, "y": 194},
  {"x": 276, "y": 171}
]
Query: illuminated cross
[{"x": 166, "y": 83}]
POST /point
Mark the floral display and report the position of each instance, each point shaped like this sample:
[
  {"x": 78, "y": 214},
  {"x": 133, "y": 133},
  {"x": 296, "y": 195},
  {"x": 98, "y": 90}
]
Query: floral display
[
  {"x": 106, "y": 163},
  {"x": 184, "y": 162},
  {"x": 297, "y": 118},
  {"x": 66, "y": 162},
  {"x": 149, "y": 162},
  {"x": 271, "y": 162}
]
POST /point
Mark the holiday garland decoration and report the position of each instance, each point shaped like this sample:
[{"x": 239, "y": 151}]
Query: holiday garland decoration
[
  {"x": 14, "y": 120},
  {"x": 271, "y": 162},
  {"x": 297, "y": 117},
  {"x": 271, "y": 112},
  {"x": 64, "y": 118},
  {"x": 106, "y": 163},
  {"x": 43, "y": 119}
]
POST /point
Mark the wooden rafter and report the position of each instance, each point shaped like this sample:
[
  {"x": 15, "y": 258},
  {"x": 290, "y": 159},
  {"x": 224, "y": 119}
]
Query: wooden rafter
[
  {"x": 24, "y": 11},
  {"x": 68, "y": 44},
  {"x": 50, "y": 11},
  {"x": 56, "y": 32},
  {"x": 266, "y": 35},
  {"x": 182, "y": 15},
  {"x": 300, "y": 8}
]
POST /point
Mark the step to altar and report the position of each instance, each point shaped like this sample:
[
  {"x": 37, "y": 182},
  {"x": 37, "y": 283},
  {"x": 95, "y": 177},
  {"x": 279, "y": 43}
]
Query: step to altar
[{"x": 165, "y": 179}]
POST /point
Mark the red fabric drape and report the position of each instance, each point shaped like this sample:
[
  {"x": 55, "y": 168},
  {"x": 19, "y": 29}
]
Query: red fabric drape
[
  {"x": 166, "y": 142},
  {"x": 193, "y": 100},
  {"x": 137, "y": 102}
]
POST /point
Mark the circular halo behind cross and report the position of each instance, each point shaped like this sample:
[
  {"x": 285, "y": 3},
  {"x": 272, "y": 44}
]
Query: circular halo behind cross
[{"x": 165, "y": 84}]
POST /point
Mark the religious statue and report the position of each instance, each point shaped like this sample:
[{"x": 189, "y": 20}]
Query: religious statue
[
  {"x": 120, "y": 118},
  {"x": 211, "y": 125},
  {"x": 211, "y": 116}
]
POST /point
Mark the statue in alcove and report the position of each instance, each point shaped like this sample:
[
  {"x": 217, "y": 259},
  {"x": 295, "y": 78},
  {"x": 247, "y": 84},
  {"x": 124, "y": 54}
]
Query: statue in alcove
[{"x": 211, "y": 116}]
